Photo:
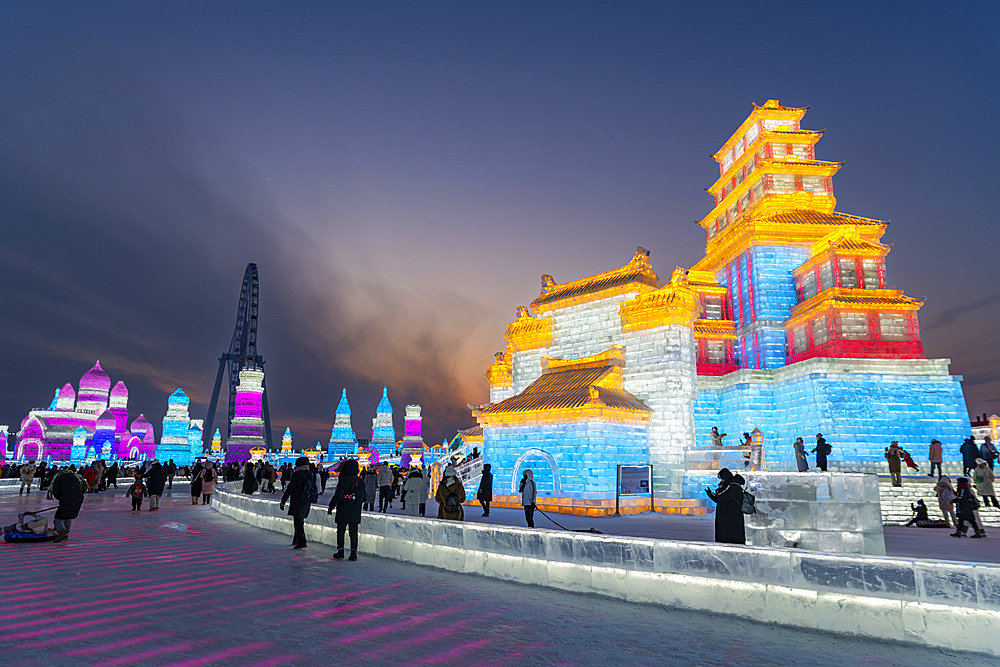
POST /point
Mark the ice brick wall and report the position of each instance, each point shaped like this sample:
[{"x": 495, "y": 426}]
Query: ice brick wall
[
  {"x": 859, "y": 405},
  {"x": 585, "y": 456},
  {"x": 762, "y": 295},
  {"x": 660, "y": 370},
  {"x": 829, "y": 512}
]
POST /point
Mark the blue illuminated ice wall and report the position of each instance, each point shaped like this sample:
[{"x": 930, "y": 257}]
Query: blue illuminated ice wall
[
  {"x": 585, "y": 456},
  {"x": 859, "y": 412},
  {"x": 762, "y": 295}
]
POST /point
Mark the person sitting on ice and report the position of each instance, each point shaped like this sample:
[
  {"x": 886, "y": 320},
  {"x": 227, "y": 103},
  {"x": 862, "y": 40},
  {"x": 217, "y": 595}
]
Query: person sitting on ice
[{"x": 919, "y": 512}]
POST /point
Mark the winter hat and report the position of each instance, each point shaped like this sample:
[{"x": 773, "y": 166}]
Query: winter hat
[
  {"x": 302, "y": 461},
  {"x": 980, "y": 462},
  {"x": 725, "y": 474}
]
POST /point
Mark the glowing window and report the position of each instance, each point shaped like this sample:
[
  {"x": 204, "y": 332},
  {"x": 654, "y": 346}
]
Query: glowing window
[
  {"x": 808, "y": 286},
  {"x": 758, "y": 189},
  {"x": 713, "y": 308},
  {"x": 777, "y": 124},
  {"x": 782, "y": 184},
  {"x": 727, "y": 162},
  {"x": 752, "y": 134},
  {"x": 801, "y": 150},
  {"x": 826, "y": 276},
  {"x": 854, "y": 326},
  {"x": 800, "y": 339},
  {"x": 892, "y": 327},
  {"x": 738, "y": 177},
  {"x": 813, "y": 184},
  {"x": 869, "y": 267},
  {"x": 745, "y": 200},
  {"x": 821, "y": 333},
  {"x": 738, "y": 150},
  {"x": 716, "y": 352},
  {"x": 779, "y": 150},
  {"x": 848, "y": 272},
  {"x": 732, "y": 212}
]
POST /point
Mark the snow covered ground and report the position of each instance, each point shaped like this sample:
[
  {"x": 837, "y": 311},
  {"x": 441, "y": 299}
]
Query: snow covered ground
[{"x": 186, "y": 586}]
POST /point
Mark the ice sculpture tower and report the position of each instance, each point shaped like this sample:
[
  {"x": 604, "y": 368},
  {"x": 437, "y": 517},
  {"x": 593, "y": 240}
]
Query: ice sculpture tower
[
  {"x": 174, "y": 442},
  {"x": 94, "y": 387},
  {"x": 104, "y": 443},
  {"x": 383, "y": 432},
  {"x": 247, "y": 429},
  {"x": 413, "y": 442},
  {"x": 78, "y": 453},
  {"x": 286, "y": 442},
  {"x": 343, "y": 440},
  {"x": 216, "y": 449},
  {"x": 195, "y": 445},
  {"x": 118, "y": 404}
]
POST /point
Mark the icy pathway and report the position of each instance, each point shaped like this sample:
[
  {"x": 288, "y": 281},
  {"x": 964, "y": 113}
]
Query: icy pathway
[{"x": 186, "y": 586}]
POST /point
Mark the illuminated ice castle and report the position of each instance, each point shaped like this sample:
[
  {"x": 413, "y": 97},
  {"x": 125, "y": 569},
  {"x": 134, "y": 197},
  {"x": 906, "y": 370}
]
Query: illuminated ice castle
[
  {"x": 101, "y": 411},
  {"x": 787, "y": 325},
  {"x": 181, "y": 438},
  {"x": 383, "y": 432},
  {"x": 343, "y": 441},
  {"x": 247, "y": 429}
]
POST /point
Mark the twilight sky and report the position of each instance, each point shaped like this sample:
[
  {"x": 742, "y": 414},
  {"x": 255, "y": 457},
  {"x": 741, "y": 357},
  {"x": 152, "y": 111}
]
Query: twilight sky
[{"x": 403, "y": 173}]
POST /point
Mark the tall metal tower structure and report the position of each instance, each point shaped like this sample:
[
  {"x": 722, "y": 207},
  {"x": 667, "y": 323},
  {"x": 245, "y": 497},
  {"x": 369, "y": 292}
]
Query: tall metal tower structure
[{"x": 242, "y": 354}]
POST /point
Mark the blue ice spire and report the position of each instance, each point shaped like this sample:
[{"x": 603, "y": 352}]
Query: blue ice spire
[
  {"x": 55, "y": 399},
  {"x": 343, "y": 441},
  {"x": 384, "y": 406},
  {"x": 344, "y": 408}
]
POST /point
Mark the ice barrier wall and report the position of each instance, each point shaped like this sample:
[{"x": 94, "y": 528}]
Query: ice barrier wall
[{"x": 935, "y": 603}]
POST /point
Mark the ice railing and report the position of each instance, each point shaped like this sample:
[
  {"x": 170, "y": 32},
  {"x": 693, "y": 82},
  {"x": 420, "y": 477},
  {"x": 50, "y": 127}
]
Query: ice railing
[{"x": 934, "y": 582}]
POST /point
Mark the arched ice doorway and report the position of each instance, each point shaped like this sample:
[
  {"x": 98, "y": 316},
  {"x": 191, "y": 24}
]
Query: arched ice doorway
[{"x": 546, "y": 481}]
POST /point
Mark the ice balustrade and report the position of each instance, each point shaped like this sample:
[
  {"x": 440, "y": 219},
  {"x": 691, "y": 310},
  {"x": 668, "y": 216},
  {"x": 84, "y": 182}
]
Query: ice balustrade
[{"x": 947, "y": 604}]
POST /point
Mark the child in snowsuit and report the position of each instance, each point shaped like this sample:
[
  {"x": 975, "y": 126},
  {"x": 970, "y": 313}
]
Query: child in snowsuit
[{"x": 136, "y": 493}]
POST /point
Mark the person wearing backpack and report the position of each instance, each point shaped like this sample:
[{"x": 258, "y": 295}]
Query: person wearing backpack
[
  {"x": 822, "y": 450},
  {"x": 208, "y": 477},
  {"x": 136, "y": 492},
  {"x": 347, "y": 499},
  {"x": 967, "y": 506},
  {"x": 529, "y": 493},
  {"x": 450, "y": 496},
  {"x": 946, "y": 499},
  {"x": 301, "y": 492},
  {"x": 729, "y": 525}
]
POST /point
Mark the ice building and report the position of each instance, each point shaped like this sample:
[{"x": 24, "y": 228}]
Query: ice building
[
  {"x": 413, "y": 442},
  {"x": 788, "y": 324},
  {"x": 343, "y": 441},
  {"x": 215, "y": 450},
  {"x": 49, "y": 432},
  {"x": 78, "y": 453},
  {"x": 247, "y": 430},
  {"x": 175, "y": 441},
  {"x": 383, "y": 432}
]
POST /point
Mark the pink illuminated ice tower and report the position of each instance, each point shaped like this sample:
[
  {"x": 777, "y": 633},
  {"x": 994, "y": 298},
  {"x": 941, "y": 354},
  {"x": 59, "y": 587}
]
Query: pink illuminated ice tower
[{"x": 247, "y": 429}]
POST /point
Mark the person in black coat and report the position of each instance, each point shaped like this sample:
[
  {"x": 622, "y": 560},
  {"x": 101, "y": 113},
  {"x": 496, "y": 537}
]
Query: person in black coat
[
  {"x": 347, "y": 499},
  {"x": 67, "y": 487},
  {"x": 156, "y": 479},
  {"x": 822, "y": 450},
  {"x": 298, "y": 508},
  {"x": 485, "y": 492},
  {"x": 249, "y": 479},
  {"x": 729, "y": 526}
]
